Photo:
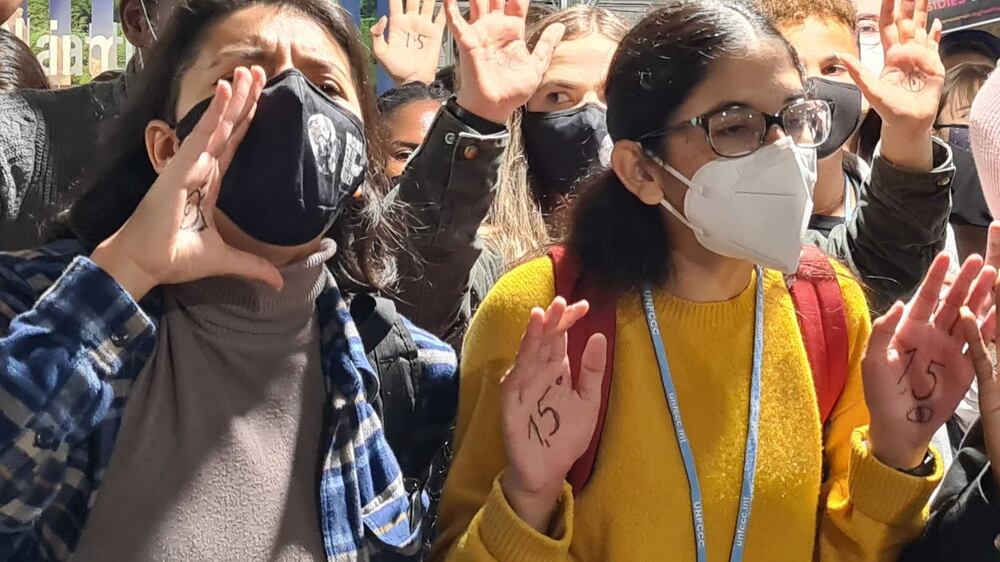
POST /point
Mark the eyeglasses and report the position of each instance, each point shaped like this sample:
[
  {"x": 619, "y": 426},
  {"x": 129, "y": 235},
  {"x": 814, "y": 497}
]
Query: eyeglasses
[{"x": 738, "y": 131}]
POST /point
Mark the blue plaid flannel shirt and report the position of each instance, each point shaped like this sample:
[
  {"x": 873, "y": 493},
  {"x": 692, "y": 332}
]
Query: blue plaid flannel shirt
[{"x": 71, "y": 344}]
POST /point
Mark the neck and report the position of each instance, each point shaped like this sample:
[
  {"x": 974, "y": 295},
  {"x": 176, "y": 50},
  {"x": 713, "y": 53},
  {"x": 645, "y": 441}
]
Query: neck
[
  {"x": 828, "y": 196},
  {"x": 700, "y": 275}
]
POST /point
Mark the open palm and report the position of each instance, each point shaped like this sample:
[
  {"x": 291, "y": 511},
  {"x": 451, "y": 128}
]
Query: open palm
[
  {"x": 909, "y": 90},
  {"x": 413, "y": 48},
  {"x": 495, "y": 61},
  {"x": 549, "y": 419},
  {"x": 915, "y": 370},
  {"x": 171, "y": 236}
]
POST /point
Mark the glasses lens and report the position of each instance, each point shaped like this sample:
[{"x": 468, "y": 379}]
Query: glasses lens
[
  {"x": 736, "y": 132},
  {"x": 807, "y": 122}
]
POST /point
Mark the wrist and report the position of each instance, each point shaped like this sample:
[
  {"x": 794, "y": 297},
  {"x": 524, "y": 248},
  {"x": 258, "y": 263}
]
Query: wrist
[
  {"x": 490, "y": 112},
  {"x": 534, "y": 507},
  {"x": 903, "y": 458},
  {"x": 136, "y": 281},
  {"x": 908, "y": 148}
]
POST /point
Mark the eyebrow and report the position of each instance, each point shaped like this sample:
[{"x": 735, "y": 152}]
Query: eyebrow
[
  {"x": 561, "y": 84},
  {"x": 798, "y": 95},
  {"x": 256, "y": 50}
]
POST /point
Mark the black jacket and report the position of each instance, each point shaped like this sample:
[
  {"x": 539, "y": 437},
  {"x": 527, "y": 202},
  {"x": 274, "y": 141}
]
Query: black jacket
[{"x": 965, "y": 517}]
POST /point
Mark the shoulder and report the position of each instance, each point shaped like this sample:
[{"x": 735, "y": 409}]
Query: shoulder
[
  {"x": 432, "y": 353},
  {"x": 497, "y": 328},
  {"x": 855, "y": 300}
]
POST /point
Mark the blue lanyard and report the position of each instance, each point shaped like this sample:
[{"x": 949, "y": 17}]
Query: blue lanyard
[{"x": 753, "y": 427}]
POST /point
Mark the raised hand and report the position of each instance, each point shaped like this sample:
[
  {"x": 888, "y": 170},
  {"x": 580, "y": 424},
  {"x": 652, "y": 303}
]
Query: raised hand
[
  {"x": 497, "y": 73},
  {"x": 989, "y": 385},
  {"x": 171, "y": 236},
  {"x": 908, "y": 92},
  {"x": 412, "y": 50},
  {"x": 915, "y": 372},
  {"x": 548, "y": 421}
]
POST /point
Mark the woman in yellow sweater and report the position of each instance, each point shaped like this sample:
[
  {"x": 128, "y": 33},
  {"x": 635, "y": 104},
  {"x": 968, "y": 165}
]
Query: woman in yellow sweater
[{"x": 693, "y": 229}]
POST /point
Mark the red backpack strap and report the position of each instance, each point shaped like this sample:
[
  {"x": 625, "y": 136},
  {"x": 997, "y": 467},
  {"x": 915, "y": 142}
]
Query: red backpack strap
[
  {"x": 819, "y": 304},
  {"x": 572, "y": 286}
]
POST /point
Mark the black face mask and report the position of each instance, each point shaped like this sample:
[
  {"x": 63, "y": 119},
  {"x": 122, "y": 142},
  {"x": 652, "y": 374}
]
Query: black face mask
[
  {"x": 297, "y": 167},
  {"x": 563, "y": 146},
  {"x": 968, "y": 203},
  {"x": 845, "y": 102}
]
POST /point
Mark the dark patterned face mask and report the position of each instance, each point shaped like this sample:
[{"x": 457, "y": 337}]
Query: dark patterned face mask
[{"x": 297, "y": 167}]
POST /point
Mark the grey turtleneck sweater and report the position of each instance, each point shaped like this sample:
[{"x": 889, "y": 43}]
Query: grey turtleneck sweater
[{"x": 220, "y": 448}]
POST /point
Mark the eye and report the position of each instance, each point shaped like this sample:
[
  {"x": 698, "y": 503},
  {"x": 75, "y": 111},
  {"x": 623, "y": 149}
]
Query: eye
[
  {"x": 331, "y": 89},
  {"x": 557, "y": 98},
  {"x": 834, "y": 70}
]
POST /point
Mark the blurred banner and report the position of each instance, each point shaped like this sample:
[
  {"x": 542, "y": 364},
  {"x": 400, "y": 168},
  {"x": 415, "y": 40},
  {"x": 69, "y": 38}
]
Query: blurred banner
[
  {"x": 963, "y": 14},
  {"x": 76, "y": 40}
]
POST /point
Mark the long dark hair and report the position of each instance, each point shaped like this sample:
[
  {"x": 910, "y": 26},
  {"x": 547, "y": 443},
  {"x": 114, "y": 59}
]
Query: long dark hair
[
  {"x": 365, "y": 233},
  {"x": 19, "y": 69},
  {"x": 621, "y": 241}
]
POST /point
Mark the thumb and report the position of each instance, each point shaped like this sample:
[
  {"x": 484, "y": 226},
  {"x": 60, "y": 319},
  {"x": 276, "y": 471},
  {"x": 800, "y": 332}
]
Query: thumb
[
  {"x": 864, "y": 79},
  {"x": 993, "y": 245},
  {"x": 249, "y": 266},
  {"x": 378, "y": 35},
  {"x": 592, "y": 365},
  {"x": 547, "y": 43},
  {"x": 884, "y": 329}
]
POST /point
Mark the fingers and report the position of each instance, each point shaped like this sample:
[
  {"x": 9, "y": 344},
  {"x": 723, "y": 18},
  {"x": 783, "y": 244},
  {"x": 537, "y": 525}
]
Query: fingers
[
  {"x": 413, "y": 7},
  {"x": 552, "y": 346},
  {"x": 249, "y": 266},
  {"x": 993, "y": 245},
  {"x": 865, "y": 79},
  {"x": 934, "y": 37},
  {"x": 947, "y": 312},
  {"x": 887, "y": 24},
  {"x": 478, "y": 9},
  {"x": 395, "y": 8},
  {"x": 981, "y": 290},
  {"x": 547, "y": 43},
  {"x": 528, "y": 353},
  {"x": 926, "y": 300},
  {"x": 592, "y": 365},
  {"x": 378, "y": 36},
  {"x": 242, "y": 82},
  {"x": 456, "y": 22},
  {"x": 244, "y": 120},
  {"x": 441, "y": 20},
  {"x": 990, "y": 327},
  {"x": 904, "y": 20},
  {"x": 977, "y": 347},
  {"x": 427, "y": 8},
  {"x": 201, "y": 135},
  {"x": 517, "y": 8},
  {"x": 920, "y": 17},
  {"x": 884, "y": 329},
  {"x": 496, "y": 5}
]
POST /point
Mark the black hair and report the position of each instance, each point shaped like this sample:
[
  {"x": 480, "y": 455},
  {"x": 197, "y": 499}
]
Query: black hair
[
  {"x": 408, "y": 93},
  {"x": 366, "y": 232},
  {"x": 621, "y": 241},
  {"x": 19, "y": 68}
]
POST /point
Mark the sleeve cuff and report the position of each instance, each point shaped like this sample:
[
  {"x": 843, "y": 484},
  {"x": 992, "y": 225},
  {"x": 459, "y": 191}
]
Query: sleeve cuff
[
  {"x": 102, "y": 312},
  {"x": 507, "y": 537},
  {"x": 938, "y": 177},
  {"x": 884, "y": 493},
  {"x": 481, "y": 125}
]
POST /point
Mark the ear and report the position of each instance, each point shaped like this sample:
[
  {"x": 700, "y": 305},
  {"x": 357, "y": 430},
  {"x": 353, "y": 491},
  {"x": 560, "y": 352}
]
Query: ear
[
  {"x": 134, "y": 24},
  {"x": 637, "y": 171},
  {"x": 161, "y": 144}
]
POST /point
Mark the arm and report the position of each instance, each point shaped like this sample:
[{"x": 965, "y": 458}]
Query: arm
[
  {"x": 869, "y": 511},
  {"x": 61, "y": 360},
  {"x": 448, "y": 189},
  {"x": 898, "y": 229}
]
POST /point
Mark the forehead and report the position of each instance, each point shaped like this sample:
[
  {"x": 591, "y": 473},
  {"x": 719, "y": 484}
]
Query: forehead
[
  {"x": 815, "y": 37},
  {"x": 271, "y": 29},
  {"x": 763, "y": 77},
  {"x": 868, "y": 7},
  {"x": 584, "y": 60},
  {"x": 419, "y": 115}
]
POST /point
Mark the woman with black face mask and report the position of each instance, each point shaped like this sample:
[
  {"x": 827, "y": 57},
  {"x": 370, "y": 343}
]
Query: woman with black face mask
[{"x": 189, "y": 354}]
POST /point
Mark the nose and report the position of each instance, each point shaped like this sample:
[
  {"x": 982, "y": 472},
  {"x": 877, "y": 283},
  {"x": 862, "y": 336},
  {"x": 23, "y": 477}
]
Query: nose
[{"x": 774, "y": 134}]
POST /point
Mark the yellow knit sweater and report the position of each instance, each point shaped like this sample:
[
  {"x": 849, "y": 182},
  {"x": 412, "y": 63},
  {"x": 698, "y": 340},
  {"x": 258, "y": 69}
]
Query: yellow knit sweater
[{"x": 636, "y": 506}]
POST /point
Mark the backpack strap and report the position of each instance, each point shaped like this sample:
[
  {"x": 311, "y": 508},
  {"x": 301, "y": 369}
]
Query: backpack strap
[
  {"x": 600, "y": 320},
  {"x": 819, "y": 304}
]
